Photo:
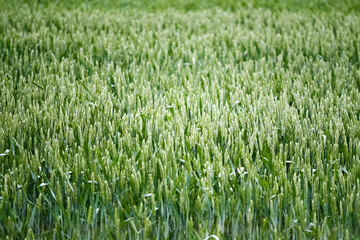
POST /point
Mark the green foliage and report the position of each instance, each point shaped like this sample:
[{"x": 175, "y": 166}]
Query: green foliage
[
  {"x": 217, "y": 122},
  {"x": 345, "y": 6}
]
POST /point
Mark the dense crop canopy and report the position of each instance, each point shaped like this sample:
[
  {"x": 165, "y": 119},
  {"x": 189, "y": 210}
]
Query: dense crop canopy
[{"x": 240, "y": 123}]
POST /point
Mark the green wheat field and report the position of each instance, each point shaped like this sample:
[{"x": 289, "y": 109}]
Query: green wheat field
[{"x": 172, "y": 119}]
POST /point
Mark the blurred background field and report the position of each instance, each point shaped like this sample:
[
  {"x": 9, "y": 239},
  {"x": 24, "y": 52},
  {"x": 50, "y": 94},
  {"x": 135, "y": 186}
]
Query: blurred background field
[{"x": 190, "y": 5}]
